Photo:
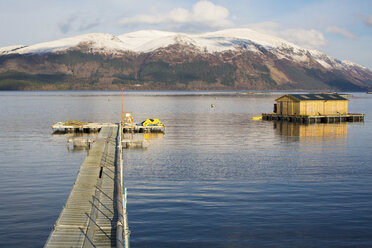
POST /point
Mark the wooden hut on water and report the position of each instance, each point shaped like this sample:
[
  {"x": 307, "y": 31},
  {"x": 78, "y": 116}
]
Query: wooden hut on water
[
  {"x": 312, "y": 108},
  {"x": 311, "y": 104}
]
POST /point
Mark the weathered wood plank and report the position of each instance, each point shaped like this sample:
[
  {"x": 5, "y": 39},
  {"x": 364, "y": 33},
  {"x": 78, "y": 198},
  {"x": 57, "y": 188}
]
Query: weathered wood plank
[{"x": 88, "y": 218}]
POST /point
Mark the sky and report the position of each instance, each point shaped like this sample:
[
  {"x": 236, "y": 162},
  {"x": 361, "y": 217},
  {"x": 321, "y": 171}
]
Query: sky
[{"x": 340, "y": 28}]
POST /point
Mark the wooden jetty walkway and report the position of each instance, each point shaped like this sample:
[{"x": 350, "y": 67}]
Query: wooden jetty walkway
[{"x": 93, "y": 213}]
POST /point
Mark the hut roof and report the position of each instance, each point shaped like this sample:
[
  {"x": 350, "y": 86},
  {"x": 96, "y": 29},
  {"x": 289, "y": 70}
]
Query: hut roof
[{"x": 315, "y": 97}]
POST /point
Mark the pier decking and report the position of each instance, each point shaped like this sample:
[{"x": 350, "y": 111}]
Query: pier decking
[
  {"x": 89, "y": 217},
  {"x": 314, "y": 118}
]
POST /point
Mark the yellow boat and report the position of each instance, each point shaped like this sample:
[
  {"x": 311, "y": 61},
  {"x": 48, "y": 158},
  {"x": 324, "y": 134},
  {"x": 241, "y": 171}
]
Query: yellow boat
[
  {"x": 152, "y": 122},
  {"x": 257, "y": 118}
]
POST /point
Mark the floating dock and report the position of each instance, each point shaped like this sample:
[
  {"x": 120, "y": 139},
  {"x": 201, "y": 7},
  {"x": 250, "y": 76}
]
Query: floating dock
[
  {"x": 92, "y": 127},
  {"x": 61, "y": 128},
  {"x": 143, "y": 129},
  {"x": 314, "y": 118},
  {"x": 93, "y": 213}
]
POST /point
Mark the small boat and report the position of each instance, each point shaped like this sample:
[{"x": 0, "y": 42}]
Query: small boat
[{"x": 257, "y": 118}]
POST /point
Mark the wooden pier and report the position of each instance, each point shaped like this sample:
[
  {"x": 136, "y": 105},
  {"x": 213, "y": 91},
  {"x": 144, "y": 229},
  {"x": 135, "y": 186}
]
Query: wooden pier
[
  {"x": 93, "y": 213},
  {"x": 307, "y": 119}
]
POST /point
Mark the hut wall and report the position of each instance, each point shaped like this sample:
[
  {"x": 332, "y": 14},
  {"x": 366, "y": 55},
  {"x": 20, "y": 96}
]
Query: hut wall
[
  {"x": 280, "y": 107},
  {"x": 335, "y": 107},
  {"x": 286, "y": 106},
  {"x": 296, "y": 108},
  {"x": 312, "y": 107},
  {"x": 291, "y": 106},
  {"x": 323, "y": 107}
]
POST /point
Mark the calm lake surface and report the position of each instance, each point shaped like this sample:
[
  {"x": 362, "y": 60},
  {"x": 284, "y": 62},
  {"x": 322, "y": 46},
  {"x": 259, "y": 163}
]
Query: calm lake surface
[{"x": 217, "y": 178}]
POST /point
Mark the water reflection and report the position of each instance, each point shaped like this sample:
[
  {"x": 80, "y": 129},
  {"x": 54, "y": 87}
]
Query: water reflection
[
  {"x": 216, "y": 179},
  {"x": 140, "y": 140},
  {"x": 143, "y": 136},
  {"x": 311, "y": 132},
  {"x": 72, "y": 148},
  {"x": 77, "y": 142},
  {"x": 75, "y": 135},
  {"x": 152, "y": 136}
]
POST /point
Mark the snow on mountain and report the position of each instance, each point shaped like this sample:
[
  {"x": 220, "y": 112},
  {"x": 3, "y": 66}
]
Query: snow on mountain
[
  {"x": 150, "y": 40},
  {"x": 97, "y": 42},
  {"x": 332, "y": 63},
  {"x": 265, "y": 40},
  {"x": 229, "y": 39},
  {"x": 147, "y": 40},
  {"x": 219, "y": 41},
  {"x": 10, "y": 49}
]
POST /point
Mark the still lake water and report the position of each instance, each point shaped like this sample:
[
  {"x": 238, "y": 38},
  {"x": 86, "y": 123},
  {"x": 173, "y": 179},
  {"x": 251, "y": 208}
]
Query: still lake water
[{"x": 215, "y": 179}]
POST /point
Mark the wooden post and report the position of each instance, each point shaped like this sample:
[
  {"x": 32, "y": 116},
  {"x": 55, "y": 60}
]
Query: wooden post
[
  {"x": 119, "y": 189},
  {"x": 122, "y": 107},
  {"x": 126, "y": 227}
]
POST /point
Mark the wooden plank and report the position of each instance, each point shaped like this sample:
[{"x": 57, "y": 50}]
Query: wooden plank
[{"x": 88, "y": 218}]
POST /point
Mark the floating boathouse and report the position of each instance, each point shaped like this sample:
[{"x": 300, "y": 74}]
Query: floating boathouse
[{"x": 312, "y": 108}]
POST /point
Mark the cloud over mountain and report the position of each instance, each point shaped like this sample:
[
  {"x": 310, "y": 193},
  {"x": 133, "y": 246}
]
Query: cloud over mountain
[
  {"x": 203, "y": 12},
  {"x": 341, "y": 31},
  {"x": 307, "y": 38}
]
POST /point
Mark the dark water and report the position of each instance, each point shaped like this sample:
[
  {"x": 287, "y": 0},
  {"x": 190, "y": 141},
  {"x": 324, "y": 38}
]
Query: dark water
[{"x": 215, "y": 179}]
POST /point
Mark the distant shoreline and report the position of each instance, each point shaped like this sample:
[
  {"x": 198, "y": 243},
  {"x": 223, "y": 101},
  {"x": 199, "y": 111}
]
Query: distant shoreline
[{"x": 165, "y": 92}]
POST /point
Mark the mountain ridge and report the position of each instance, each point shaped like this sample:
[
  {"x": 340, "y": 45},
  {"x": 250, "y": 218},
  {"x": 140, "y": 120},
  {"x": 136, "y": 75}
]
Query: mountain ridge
[{"x": 151, "y": 59}]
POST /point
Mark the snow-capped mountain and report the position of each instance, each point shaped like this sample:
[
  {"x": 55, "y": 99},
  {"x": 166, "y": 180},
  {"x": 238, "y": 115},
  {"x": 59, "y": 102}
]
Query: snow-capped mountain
[
  {"x": 252, "y": 59},
  {"x": 98, "y": 41}
]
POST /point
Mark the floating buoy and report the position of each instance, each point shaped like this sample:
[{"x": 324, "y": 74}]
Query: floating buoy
[{"x": 257, "y": 118}]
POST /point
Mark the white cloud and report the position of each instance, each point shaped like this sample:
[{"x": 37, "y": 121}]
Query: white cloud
[
  {"x": 368, "y": 20},
  {"x": 203, "y": 12},
  {"x": 306, "y": 38},
  {"x": 341, "y": 31},
  {"x": 210, "y": 14}
]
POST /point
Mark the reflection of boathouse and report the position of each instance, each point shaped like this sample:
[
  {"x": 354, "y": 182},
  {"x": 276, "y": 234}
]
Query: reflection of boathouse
[
  {"x": 311, "y": 108},
  {"x": 317, "y": 130}
]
